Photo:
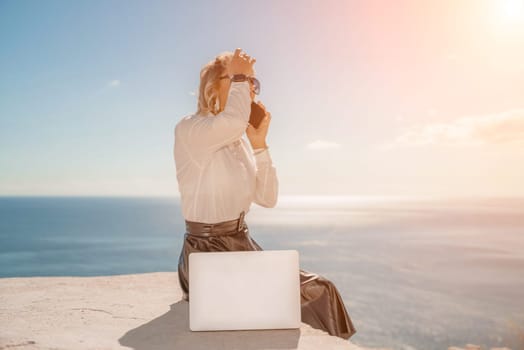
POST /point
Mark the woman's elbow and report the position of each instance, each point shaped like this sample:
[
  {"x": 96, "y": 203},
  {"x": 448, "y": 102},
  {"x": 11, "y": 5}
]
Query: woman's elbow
[
  {"x": 268, "y": 201},
  {"x": 272, "y": 203}
]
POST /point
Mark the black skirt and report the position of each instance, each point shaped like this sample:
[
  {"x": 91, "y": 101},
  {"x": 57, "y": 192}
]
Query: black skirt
[{"x": 322, "y": 306}]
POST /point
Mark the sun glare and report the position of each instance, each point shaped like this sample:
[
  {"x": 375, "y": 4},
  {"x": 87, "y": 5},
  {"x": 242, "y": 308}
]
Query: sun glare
[
  {"x": 512, "y": 10},
  {"x": 507, "y": 18}
]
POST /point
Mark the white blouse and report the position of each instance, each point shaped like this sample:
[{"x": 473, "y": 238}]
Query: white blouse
[{"x": 218, "y": 174}]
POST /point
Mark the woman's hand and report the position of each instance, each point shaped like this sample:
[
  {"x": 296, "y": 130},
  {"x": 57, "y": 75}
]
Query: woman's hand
[
  {"x": 241, "y": 63},
  {"x": 257, "y": 136}
]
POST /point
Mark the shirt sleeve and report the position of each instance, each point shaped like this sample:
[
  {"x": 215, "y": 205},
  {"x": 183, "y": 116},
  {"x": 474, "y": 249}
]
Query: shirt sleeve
[
  {"x": 266, "y": 190},
  {"x": 209, "y": 133}
]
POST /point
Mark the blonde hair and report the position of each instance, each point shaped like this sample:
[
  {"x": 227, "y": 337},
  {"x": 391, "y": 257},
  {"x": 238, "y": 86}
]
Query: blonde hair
[
  {"x": 208, "y": 91},
  {"x": 209, "y": 83}
]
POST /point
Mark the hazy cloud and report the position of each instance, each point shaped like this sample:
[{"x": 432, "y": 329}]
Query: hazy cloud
[
  {"x": 321, "y": 144},
  {"x": 502, "y": 128},
  {"x": 114, "y": 83}
]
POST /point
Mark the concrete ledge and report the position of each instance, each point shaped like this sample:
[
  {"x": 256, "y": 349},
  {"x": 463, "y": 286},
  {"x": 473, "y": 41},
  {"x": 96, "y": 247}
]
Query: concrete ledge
[{"x": 139, "y": 311}]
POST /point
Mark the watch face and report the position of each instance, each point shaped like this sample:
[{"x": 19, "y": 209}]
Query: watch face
[{"x": 239, "y": 77}]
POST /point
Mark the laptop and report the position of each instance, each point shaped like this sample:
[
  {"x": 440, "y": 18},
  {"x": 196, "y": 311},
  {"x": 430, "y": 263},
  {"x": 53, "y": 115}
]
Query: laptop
[{"x": 244, "y": 290}]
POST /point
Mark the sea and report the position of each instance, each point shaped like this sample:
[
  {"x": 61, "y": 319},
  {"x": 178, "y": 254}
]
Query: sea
[{"x": 414, "y": 273}]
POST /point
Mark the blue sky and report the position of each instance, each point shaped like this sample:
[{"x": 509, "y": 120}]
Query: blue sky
[{"x": 367, "y": 97}]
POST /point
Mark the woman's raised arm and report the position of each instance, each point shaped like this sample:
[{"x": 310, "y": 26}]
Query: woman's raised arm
[{"x": 206, "y": 134}]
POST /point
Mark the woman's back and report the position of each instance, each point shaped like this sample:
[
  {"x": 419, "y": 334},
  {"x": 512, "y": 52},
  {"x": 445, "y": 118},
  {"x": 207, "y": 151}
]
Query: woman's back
[{"x": 218, "y": 175}]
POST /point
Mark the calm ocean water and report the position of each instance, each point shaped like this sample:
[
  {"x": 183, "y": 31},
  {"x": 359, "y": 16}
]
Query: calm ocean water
[{"x": 414, "y": 274}]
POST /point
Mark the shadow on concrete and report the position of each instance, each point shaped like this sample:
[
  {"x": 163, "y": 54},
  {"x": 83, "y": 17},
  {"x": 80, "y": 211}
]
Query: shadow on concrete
[{"x": 171, "y": 331}]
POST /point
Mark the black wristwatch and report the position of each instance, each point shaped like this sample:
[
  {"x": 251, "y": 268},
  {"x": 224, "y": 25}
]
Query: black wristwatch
[{"x": 239, "y": 77}]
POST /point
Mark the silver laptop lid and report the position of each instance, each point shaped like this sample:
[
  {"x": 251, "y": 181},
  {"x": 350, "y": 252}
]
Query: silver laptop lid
[{"x": 240, "y": 290}]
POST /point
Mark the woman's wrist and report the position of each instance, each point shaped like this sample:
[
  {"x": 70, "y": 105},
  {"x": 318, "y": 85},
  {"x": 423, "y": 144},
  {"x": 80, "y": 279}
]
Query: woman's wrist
[
  {"x": 259, "y": 145},
  {"x": 259, "y": 149}
]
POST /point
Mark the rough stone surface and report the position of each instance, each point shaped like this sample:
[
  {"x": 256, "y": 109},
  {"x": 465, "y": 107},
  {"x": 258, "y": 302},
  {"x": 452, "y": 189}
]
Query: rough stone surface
[{"x": 138, "y": 311}]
